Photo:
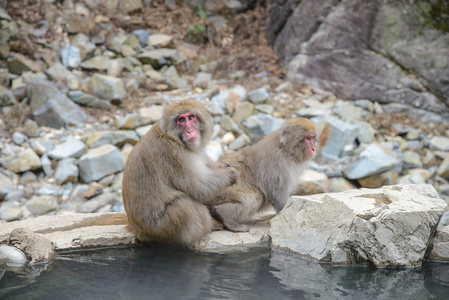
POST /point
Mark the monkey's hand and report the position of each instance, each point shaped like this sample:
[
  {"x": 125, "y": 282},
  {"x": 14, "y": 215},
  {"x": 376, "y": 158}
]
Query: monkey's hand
[{"x": 233, "y": 172}]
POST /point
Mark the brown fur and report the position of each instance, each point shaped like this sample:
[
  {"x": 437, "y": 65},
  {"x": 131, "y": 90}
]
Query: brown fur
[
  {"x": 166, "y": 184},
  {"x": 269, "y": 173}
]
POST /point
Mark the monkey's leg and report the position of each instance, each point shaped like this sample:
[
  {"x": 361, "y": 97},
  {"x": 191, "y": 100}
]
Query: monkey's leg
[{"x": 237, "y": 210}]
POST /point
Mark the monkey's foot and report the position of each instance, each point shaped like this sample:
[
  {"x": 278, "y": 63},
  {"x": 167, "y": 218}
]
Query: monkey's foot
[
  {"x": 236, "y": 227},
  {"x": 216, "y": 225}
]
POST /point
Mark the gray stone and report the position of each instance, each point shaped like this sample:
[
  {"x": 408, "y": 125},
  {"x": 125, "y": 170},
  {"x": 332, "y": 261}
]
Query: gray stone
[
  {"x": 129, "y": 6},
  {"x": 340, "y": 134},
  {"x": 160, "y": 40},
  {"x": 440, "y": 246},
  {"x": 50, "y": 107},
  {"x": 391, "y": 226},
  {"x": 42, "y": 146},
  {"x": 59, "y": 72},
  {"x": 117, "y": 138},
  {"x": 96, "y": 63},
  {"x": 18, "y": 63},
  {"x": 67, "y": 171},
  {"x": 22, "y": 161},
  {"x": 108, "y": 87},
  {"x": 142, "y": 35},
  {"x": 13, "y": 256},
  {"x": 240, "y": 142},
  {"x": 89, "y": 100},
  {"x": 37, "y": 247},
  {"x": 202, "y": 79},
  {"x": 439, "y": 143},
  {"x": 39, "y": 205},
  {"x": 6, "y": 96},
  {"x": 46, "y": 165},
  {"x": 257, "y": 126},
  {"x": 259, "y": 95},
  {"x": 18, "y": 138},
  {"x": 70, "y": 148},
  {"x": 11, "y": 213},
  {"x": 217, "y": 104},
  {"x": 100, "y": 162},
  {"x": 411, "y": 160},
  {"x": 159, "y": 57},
  {"x": 265, "y": 108},
  {"x": 31, "y": 128},
  {"x": 443, "y": 170},
  {"x": 173, "y": 79},
  {"x": 375, "y": 159},
  {"x": 348, "y": 112},
  {"x": 141, "y": 131},
  {"x": 228, "y": 124},
  {"x": 97, "y": 202},
  {"x": 6, "y": 184},
  {"x": 70, "y": 56},
  {"x": 150, "y": 115}
]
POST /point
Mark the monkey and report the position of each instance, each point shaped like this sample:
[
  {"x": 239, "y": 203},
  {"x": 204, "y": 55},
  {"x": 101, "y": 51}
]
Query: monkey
[
  {"x": 168, "y": 178},
  {"x": 268, "y": 173}
]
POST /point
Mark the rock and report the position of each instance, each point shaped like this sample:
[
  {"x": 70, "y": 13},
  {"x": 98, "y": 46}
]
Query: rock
[
  {"x": 108, "y": 87},
  {"x": 214, "y": 150},
  {"x": 31, "y": 128},
  {"x": 228, "y": 124},
  {"x": 39, "y": 205},
  {"x": 77, "y": 231},
  {"x": 149, "y": 115},
  {"x": 129, "y": 7},
  {"x": 117, "y": 138},
  {"x": 202, "y": 79},
  {"x": 158, "y": 57},
  {"x": 259, "y": 95},
  {"x": 70, "y": 56},
  {"x": 242, "y": 111},
  {"x": 443, "y": 170},
  {"x": 173, "y": 79},
  {"x": 96, "y": 63},
  {"x": 340, "y": 184},
  {"x": 160, "y": 40},
  {"x": 94, "y": 189},
  {"x": 141, "y": 131},
  {"x": 130, "y": 121},
  {"x": 240, "y": 142},
  {"x": 42, "y": 146},
  {"x": 97, "y": 202},
  {"x": 311, "y": 182},
  {"x": 258, "y": 235},
  {"x": 375, "y": 159},
  {"x": 439, "y": 143},
  {"x": 142, "y": 35},
  {"x": 440, "y": 245},
  {"x": 100, "y": 162},
  {"x": 59, "y": 72},
  {"x": 18, "y": 138},
  {"x": 18, "y": 63},
  {"x": 70, "y": 148},
  {"x": 86, "y": 99},
  {"x": 13, "y": 256},
  {"x": 285, "y": 87},
  {"x": 37, "y": 247},
  {"x": 6, "y": 97},
  {"x": 391, "y": 226},
  {"x": 46, "y": 165},
  {"x": 305, "y": 35},
  {"x": 6, "y": 185},
  {"x": 411, "y": 160},
  {"x": 67, "y": 171},
  {"x": 367, "y": 134},
  {"x": 348, "y": 112},
  {"x": 265, "y": 108},
  {"x": 378, "y": 180},
  {"x": 340, "y": 134},
  {"x": 20, "y": 162},
  {"x": 52, "y": 108},
  {"x": 257, "y": 126},
  {"x": 11, "y": 213}
]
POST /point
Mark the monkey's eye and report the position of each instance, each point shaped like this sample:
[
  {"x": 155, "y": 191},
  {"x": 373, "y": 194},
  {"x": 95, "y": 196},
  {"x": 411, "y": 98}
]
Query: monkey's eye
[
  {"x": 191, "y": 117},
  {"x": 310, "y": 138},
  {"x": 181, "y": 120}
]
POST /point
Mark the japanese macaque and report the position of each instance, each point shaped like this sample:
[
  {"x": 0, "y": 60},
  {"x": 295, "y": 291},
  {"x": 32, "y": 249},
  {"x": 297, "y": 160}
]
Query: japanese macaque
[
  {"x": 269, "y": 172},
  {"x": 168, "y": 179}
]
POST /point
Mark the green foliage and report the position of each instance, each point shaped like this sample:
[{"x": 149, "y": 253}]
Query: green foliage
[
  {"x": 197, "y": 33},
  {"x": 201, "y": 12},
  {"x": 436, "y": 14}
]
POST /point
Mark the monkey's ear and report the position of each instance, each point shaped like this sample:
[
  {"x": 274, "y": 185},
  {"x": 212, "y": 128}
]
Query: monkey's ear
[{"x": 284, "y": 134}]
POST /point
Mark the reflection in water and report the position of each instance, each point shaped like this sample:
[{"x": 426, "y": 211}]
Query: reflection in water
[{"x": 162, "y": 272}]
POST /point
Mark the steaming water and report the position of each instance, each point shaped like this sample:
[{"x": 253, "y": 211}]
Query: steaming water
[{"x": 160, "y": 272}]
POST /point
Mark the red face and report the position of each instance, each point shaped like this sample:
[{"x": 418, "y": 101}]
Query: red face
[
  {"x": 310, "y": 143},
  {"x": 188, "y": 122}
]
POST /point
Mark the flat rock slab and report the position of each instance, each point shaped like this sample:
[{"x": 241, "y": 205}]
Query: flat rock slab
[{"x": 98, "y": 230}]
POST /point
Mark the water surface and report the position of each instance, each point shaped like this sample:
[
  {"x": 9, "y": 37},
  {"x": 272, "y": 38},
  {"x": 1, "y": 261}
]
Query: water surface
[{"x": 161, "y": 272}]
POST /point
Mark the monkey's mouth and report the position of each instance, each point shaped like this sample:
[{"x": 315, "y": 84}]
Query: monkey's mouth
[{"x": 192, "y": 140}]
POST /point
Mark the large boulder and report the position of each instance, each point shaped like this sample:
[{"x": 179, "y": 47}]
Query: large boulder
[
  {"x": 393, "y": 52},
  {"x": 390, "y": 226}
]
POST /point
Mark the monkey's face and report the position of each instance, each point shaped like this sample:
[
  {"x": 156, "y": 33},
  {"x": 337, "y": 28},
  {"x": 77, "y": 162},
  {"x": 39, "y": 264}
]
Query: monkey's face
[
  {"x": 309, "y": 141},
  {"x": 189, "y": 125}
]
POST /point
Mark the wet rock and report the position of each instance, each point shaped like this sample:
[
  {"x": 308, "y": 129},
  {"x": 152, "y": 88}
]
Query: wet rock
[
  {"x": 6, "y": 97},
  {"x": 117, "y": 138},
  {"x": 52, "y": 108},
  {"x": 37, "y": 247},
  {"x": 100, "y": 162},
  {"x": 12, "y": 256},
  {"x": 380, "y": 227},
  {"x": 20, "y": 162},
  {"x": 39, "y": 205},
  {"x": 70, "y": 148},
  {"x": 67, "y": 171},
  {"x": 259, "y": 95},
  {"x": 108, "y": 87},
  {"x": 375, "y": 159}
]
